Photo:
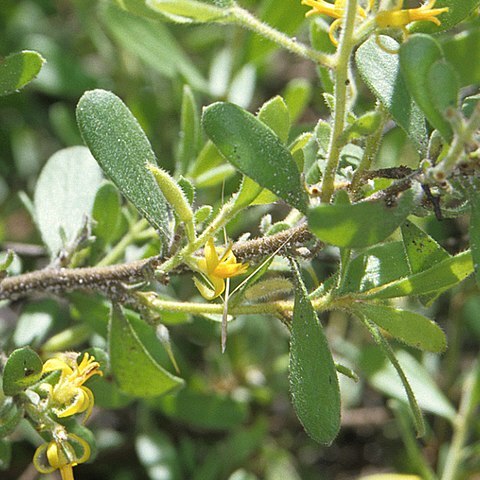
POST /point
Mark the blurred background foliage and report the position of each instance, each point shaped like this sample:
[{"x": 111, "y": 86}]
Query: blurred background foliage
[{"x": 235, "y": 420}]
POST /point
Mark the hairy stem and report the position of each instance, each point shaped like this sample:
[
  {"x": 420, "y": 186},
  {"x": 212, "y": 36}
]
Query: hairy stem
[
  {"x": 345, "y": 48},
  {"x": 247, "y": 20}
]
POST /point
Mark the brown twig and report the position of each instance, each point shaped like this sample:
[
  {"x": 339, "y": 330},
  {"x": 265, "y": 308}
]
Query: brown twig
[{"x": 112, "y": 280}]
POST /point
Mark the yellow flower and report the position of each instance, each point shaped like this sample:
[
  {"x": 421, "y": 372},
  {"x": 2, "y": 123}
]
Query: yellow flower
[
  {"x": 335, "y": 10},
  {"x": 62, "y": 453},
  {"x": 68, "y": 396},
  {"x": 400, "y": 18},
  {"x": 217, "y": 269}
]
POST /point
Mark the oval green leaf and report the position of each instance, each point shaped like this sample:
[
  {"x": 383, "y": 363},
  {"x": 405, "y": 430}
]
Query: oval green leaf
[
  {"x": 134, "y": 368},
  {"x": 122, "y": 149},
  {"x": 458, "y": 52},
  {"x": 381, "y": 72},
  {"x": 408, "y": 327},
  {"x": 417, "y": 57},
  {"x": 255, "y": 150},
  {"x": 361, "y": 224},
  {"x": 19, "y": 69},
  {"x": 64, "y": 196},
  {"x": 22, "y": 369},
  {"x": 313, "y": 377}
]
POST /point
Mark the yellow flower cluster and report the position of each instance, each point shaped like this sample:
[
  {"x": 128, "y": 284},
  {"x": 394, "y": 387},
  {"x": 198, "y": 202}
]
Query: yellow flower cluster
[
  {"x": 394, "y": 18},
  {"x": 68, "y": 396}
]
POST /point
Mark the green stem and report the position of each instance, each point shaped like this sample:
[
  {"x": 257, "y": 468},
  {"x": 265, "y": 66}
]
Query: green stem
[
  {"x": 462, "y": 424},
  {"x": 245, "y": 19},
  {"x": 271, "y": 308},
  {"x": 345, "y": 49},
  {"x": 135, "y": 234}
]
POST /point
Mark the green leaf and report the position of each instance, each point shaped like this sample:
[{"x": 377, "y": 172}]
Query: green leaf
[
  {"x": 10, "y": 416},
  {"x": 135, "y": 370},
  {"x": 247, "y": 193},
  {"x": 34, "y": 323},
  {"x": 382, "y": 376},
  {"x": 443, "y": 85},
  {"x": 474, "y": 229},
  {"x": 381, "y": 72},
  {"x": 203, "y": 410},
  {"x": 153, "y": 43},
  {"x": 190, "y": 131},
  {"x": 313, "y": 377},
  {"x": 458, "y": 10},
  {"x": 422, "y": 252},
  {"x": 458, "y": 52},
  {"x": 297, "y": 95},
  {"x": 361, "y": 224},
  {"x": 421, "y": 249},
  {"x": 255, "y": 150},
  {"x": 22, "y": 369},
  {"x": 275, "y": 115},
  {"x": 376, "y": 266},
  {"x": 107, "y": 213},
  {"x": 190, "y": 11},
  {"x": 418, "y": 60},
  {"x": 408, "y": 327},
  {"x": 64, "y": 196},
  {"x": 19, "y": 69},
  {"x": 122, "y": 149},
  {"x": 441, "y": 276},
  {"x": 5, "y": 454}
]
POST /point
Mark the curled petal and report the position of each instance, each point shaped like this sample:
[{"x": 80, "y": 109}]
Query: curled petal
[{"x": 211, "y": 257}]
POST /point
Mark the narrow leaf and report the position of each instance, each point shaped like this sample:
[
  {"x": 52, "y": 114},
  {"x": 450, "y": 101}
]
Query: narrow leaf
[
  {"x": 255, "y": 150},
  {"x": 153, "y": 43},
  {"x": 122, "y": 149},
  {"x": 441, "y": 276},
  {"x": 382, "y": 375},
  {"x": 361, "y": 224},
  {"x": 19, "y": 69},
  {"x": 388, "y": 352},
  {"x": 313, "y": 377},
  {"x": 474, "y": 230},
  {"x": 422, "y": 252},
  {"x": 134, "y": 368},
  {"x": 408, "y": 327},
  {"x": 190, "y": 11}
]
